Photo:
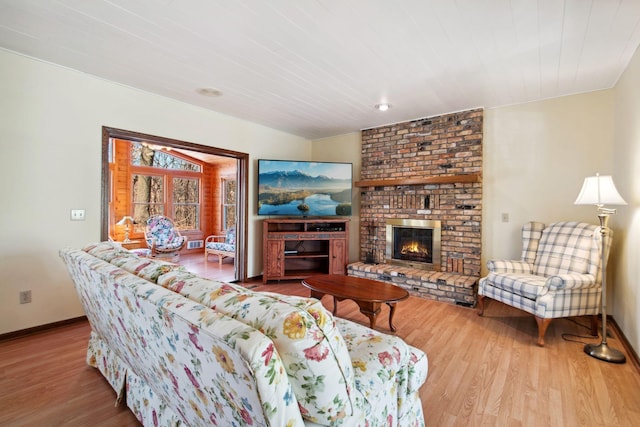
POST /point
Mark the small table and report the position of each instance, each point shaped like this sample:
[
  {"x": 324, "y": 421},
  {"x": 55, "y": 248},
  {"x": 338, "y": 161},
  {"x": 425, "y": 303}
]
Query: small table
[
  {"x": 131, "y": 244},
  {"x": 368, "y": 294}
]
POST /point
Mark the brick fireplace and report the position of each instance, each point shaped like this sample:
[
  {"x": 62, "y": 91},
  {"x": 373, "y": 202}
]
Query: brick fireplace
[{"x": 424, "y": 170}]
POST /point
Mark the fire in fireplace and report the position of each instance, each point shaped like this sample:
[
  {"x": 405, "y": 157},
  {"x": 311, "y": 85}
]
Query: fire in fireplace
[{"x": 413, "y": 243}]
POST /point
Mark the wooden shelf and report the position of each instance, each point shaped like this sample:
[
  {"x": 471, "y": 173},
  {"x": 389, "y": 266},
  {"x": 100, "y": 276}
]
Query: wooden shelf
[
  {"x": 324, "y": 243},
  {"x": 307, "y": 255},
  {"x": 442, "y": 179}
]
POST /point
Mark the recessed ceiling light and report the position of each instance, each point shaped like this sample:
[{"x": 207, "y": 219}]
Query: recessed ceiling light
[
  {"x": 383, "y": 106},
  {"x": 209, "y": 91}
]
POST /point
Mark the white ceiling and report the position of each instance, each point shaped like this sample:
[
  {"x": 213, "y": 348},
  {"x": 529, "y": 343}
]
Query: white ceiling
[{"x": 315, "y": 68}]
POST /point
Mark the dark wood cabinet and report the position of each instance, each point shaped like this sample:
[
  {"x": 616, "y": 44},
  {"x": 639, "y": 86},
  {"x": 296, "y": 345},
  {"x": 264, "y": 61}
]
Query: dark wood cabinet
[{"x": 299, "y": 248}]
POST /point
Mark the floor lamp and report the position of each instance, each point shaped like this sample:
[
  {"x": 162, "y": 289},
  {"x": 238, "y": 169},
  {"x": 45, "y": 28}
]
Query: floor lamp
[{"x": 600, "y": 190}]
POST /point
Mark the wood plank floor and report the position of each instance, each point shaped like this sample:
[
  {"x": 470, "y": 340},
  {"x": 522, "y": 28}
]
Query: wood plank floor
[{"x": 482, "y": 371}]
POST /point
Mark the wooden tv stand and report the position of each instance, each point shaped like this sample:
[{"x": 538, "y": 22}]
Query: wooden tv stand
[{"x": 299, "y": 248}]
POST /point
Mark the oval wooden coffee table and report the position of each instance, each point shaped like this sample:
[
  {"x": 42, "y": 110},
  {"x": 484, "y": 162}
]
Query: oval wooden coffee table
[{"x": 368, "y": 294}]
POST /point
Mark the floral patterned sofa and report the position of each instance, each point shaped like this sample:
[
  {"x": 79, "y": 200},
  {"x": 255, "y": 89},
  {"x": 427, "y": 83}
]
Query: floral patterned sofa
[{"x": 180, "y": 349}]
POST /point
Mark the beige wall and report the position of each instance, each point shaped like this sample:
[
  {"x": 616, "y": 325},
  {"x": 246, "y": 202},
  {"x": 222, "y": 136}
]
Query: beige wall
[
  {"x": 344, "y": 148},
  {"x": 51, "y": 121},
  {"x": 536, "y": 157},
  {"x": 625, "y": 290}
]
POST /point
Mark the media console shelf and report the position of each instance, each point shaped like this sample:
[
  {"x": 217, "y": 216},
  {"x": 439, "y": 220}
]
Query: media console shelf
[{"x": 299, "y": 248}]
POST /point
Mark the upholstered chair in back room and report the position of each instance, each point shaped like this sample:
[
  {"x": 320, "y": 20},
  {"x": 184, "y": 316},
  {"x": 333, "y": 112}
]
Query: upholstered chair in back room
[
  {"x": 223, "y": 245},
  {"x": 162, "y": 237}
]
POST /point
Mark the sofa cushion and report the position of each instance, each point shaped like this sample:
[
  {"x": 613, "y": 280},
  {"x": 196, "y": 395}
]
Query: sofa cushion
[
  {"x": 231, "y": 236},
  {"x": 314, "y": 353},
  {"x": 177, "y": 279},
  {"x": 565, "y": 247},
  {"x": 155, "y": 269},
  {"x": 145, "y": 268},
  {"x": 174, "y": 279},
  {"x": 220, "y": 246},
  {"x": 105, "y": 251},
  {"x": 524, "y": 285},
  {"x": 141, "y": 252}
]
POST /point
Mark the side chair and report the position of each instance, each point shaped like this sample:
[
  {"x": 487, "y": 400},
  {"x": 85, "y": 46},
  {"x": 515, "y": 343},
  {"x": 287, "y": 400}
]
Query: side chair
[
  {"x": 163, "y": 237},
  {"x": 221, "y": 245},
  {"x": 558, "y": 274}
]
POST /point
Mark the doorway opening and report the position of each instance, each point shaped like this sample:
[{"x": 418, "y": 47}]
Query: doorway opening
[{"x": 204, "y": 212}]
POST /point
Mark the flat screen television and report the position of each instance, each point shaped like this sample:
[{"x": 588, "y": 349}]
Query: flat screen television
[{"x": 304, "y": 188}]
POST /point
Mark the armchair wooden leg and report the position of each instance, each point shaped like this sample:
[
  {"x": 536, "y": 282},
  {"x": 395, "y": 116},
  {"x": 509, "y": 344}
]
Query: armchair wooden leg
[
  {"x": 543, "y": 324},
  {"x": 594, "y": 325},
  {"x": 480, "y": 305}
]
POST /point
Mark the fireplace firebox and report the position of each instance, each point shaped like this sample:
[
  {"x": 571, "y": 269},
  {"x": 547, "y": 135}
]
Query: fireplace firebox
[{"x": 413, "y": 243}]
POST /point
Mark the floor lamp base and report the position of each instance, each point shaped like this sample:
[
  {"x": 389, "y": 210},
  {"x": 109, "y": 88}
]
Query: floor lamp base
[{"x": 603, "y": 352}]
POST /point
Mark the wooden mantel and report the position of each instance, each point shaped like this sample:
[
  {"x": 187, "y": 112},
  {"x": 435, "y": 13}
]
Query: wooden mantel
[{"x": 442, "y": 179}]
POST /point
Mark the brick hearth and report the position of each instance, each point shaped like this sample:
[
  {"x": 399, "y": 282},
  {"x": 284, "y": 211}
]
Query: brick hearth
[{"x": 447, "y": 287}]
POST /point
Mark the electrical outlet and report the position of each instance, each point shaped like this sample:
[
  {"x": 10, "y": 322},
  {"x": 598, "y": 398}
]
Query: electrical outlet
[
  {"x": 25, "y": 297},
  {"x": 77, "y": 214},
  {"x": 505, "y": 217}
]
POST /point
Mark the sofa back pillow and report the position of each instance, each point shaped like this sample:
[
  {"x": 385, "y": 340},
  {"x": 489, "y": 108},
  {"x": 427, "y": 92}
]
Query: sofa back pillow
[
  {"x": 566, "y": 247},
  {"x": 305, "y": 334},
  {"x": 148, "y": 269},
  {"x": 106, "y": 251}
]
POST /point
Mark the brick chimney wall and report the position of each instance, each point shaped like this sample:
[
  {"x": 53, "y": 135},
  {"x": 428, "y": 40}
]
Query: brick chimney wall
[{"x": 446, "y": 145}]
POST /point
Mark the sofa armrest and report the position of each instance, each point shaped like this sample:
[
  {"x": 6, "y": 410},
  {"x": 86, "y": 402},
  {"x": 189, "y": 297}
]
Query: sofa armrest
[
  {"x": 386, "y": 369},
  {"x": 509, "y": 266},
  {"x": 571, "y": 281}
]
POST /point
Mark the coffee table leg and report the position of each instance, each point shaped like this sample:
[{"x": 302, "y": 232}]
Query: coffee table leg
[
  {"x": 317, "y": 295},
  {"x": 392, "y": 311},
  {"x": 371, "y": 310}
]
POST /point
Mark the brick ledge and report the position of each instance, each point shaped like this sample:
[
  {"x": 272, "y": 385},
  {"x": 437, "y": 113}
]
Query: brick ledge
[{"x": 453, "y": 288}]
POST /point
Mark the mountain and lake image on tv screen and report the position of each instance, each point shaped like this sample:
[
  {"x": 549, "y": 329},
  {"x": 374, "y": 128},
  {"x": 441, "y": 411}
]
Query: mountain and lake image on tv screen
[{"x": 304, "y": 188}]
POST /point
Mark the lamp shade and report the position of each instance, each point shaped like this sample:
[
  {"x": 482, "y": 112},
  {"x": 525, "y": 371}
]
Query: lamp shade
[
  {"x": 599, "y": 190},
  {"x": 125, "y": 220}
]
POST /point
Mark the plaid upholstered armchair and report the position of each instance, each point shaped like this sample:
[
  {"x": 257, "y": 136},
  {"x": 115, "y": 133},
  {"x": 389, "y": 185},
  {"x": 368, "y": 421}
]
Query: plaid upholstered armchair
[
  {"x": 162, "y": 237},
  {"x": 558, "y": 275}
]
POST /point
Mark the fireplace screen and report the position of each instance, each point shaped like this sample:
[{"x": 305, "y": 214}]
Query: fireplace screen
[{"x": 413, "y": 243}]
